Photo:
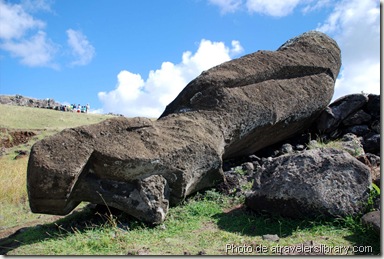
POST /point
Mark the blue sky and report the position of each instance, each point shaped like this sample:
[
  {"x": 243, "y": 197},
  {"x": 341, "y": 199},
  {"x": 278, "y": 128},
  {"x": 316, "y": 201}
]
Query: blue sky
[{"x": 134, "y": 57}]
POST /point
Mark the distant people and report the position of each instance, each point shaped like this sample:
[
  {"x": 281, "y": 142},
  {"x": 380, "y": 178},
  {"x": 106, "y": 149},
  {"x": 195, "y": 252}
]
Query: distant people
[
  {"x": 87, "y": 108},
  {"x": 79, "y": 108}
]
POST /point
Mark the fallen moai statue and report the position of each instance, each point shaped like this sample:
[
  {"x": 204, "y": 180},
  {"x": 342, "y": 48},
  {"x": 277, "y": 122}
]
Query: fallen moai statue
[{"x": 141, "y": 166}]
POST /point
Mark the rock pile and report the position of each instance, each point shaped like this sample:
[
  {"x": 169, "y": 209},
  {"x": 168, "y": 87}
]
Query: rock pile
[
  {"x": 301, "y": 177},
  {"x": 358, "y": 114},
  {"x": 235, "y": 109},
  {"x": 20, "y": 100}
]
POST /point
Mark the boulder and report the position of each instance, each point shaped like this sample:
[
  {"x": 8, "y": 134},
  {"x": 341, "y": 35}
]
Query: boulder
[
  {"x": 371, "y": 143},
  {"x": 375, "y": 126},
  {"x": 233, "y": 109},
  {"x": 372, "y": 219},
  {"x": 373, "y": 106},
  {"x": 316, "y": 182},
  {"x": 373, "y": 162},
  {"x": 357, "y": 118},
  {"x": 339, "y": 110},
  {"x": 359, "y": 130}
]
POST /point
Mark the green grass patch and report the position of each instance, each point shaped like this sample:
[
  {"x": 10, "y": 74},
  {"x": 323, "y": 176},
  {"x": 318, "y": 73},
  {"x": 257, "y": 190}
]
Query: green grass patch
[{"x": 204, "y": 224}]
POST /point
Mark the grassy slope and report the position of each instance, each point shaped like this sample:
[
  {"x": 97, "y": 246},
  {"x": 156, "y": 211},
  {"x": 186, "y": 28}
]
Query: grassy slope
[
  {"x": 203, "y": 224},
  {"x": 18, "y": 117}
]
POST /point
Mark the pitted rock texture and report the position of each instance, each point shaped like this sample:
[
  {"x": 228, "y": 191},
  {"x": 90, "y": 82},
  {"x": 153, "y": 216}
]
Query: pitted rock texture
[
  {"x": 230, "y": 110},
  {"x": 317, "y": 182},
  {"x": 267, "y": 96}
]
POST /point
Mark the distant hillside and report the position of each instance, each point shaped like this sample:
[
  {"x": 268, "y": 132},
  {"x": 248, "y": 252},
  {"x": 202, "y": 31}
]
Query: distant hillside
[
  {"x": 20, "y": 100},
  {"x": 19, "y": 117},
  {"x": 21, "y": 126}
]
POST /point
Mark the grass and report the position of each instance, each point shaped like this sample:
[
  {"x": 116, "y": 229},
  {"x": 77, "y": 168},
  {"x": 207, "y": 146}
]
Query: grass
[
  {"x": 38, "y": 118},
  {"x": 206, "y": 223},
  {"x": 353, "y": 149},
  {"x": 202, "y": 225},
  {"x": 13, "y": 180}
]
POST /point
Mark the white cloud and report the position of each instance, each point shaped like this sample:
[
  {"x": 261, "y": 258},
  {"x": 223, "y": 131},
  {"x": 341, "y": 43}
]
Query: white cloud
[
  {"x": 81, "y": 48},
  {"x": 23, "y": 37},
  {"x": 34, "y": 51},
  {"x": 37, "y": 5},
  {"x": 277, "y": 8},
  {"x": 318, "y": 4},
  {"x": 134, "y": 96},
  {"x": 355, "y": 25},
  {"x": 15, "y": 22},
  {"x": 227, "y": 6}
]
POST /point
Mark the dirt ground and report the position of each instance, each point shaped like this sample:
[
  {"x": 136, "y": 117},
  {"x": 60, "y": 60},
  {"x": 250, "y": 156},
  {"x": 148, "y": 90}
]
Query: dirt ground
[{"x": 11, "y": 138}]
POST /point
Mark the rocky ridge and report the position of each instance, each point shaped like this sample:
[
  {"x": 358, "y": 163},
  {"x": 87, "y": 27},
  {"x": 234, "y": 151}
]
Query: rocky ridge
[{"x": 20, "y": 100}]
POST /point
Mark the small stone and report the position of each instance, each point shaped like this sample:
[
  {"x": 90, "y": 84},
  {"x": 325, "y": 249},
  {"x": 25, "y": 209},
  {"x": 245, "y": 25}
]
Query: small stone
[
  {"x": 372, "y": 219},
  {"x": 272, "y": 238},
  {"x": 254, "y": 158},
  {"x": 286, "y": 148},
  {"x": 248, "y": 167},
  {"x": 162, "y": 227}
]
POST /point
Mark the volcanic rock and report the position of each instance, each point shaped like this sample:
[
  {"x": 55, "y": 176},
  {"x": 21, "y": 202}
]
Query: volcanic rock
[
  {"x": 339, "y": 110},
  {"x": 372, "y": 219},
  {"x": 316, "y": 182}
]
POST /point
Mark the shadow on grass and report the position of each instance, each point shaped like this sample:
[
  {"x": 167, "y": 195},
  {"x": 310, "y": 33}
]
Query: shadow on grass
[
  {"x": 363, "y": 238},
  {"x": 243, "y": 221},
  {"x": 89, "y": 217}
]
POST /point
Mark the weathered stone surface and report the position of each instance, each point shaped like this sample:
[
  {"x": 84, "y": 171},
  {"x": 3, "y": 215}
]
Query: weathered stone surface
[
  {"x": 315, "y": 182},
  {"x": 373, "y": 162},
  {"x": 375, "y": 126},
  {"x": 339, "y": 110},
  {"x": 358, "y": 130},
  {"x": 357, "y": 118},
  {"x": 352, "y": 144},
  {"x": 372, "y": 219},
  {"x": 114, "y": 157},
  {"x": 269, "y": 94},
  {"x": 26, "y": 101},
  {"x": 373, "y": 106},
  {"x": 233, "y": 109},
  {"x": 371, "y": 143}
]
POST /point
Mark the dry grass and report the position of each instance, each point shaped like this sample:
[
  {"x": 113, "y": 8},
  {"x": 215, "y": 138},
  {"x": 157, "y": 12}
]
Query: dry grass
[
  {"x": 13, "y": 180},
  {"x": 43, "y": 122}
]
